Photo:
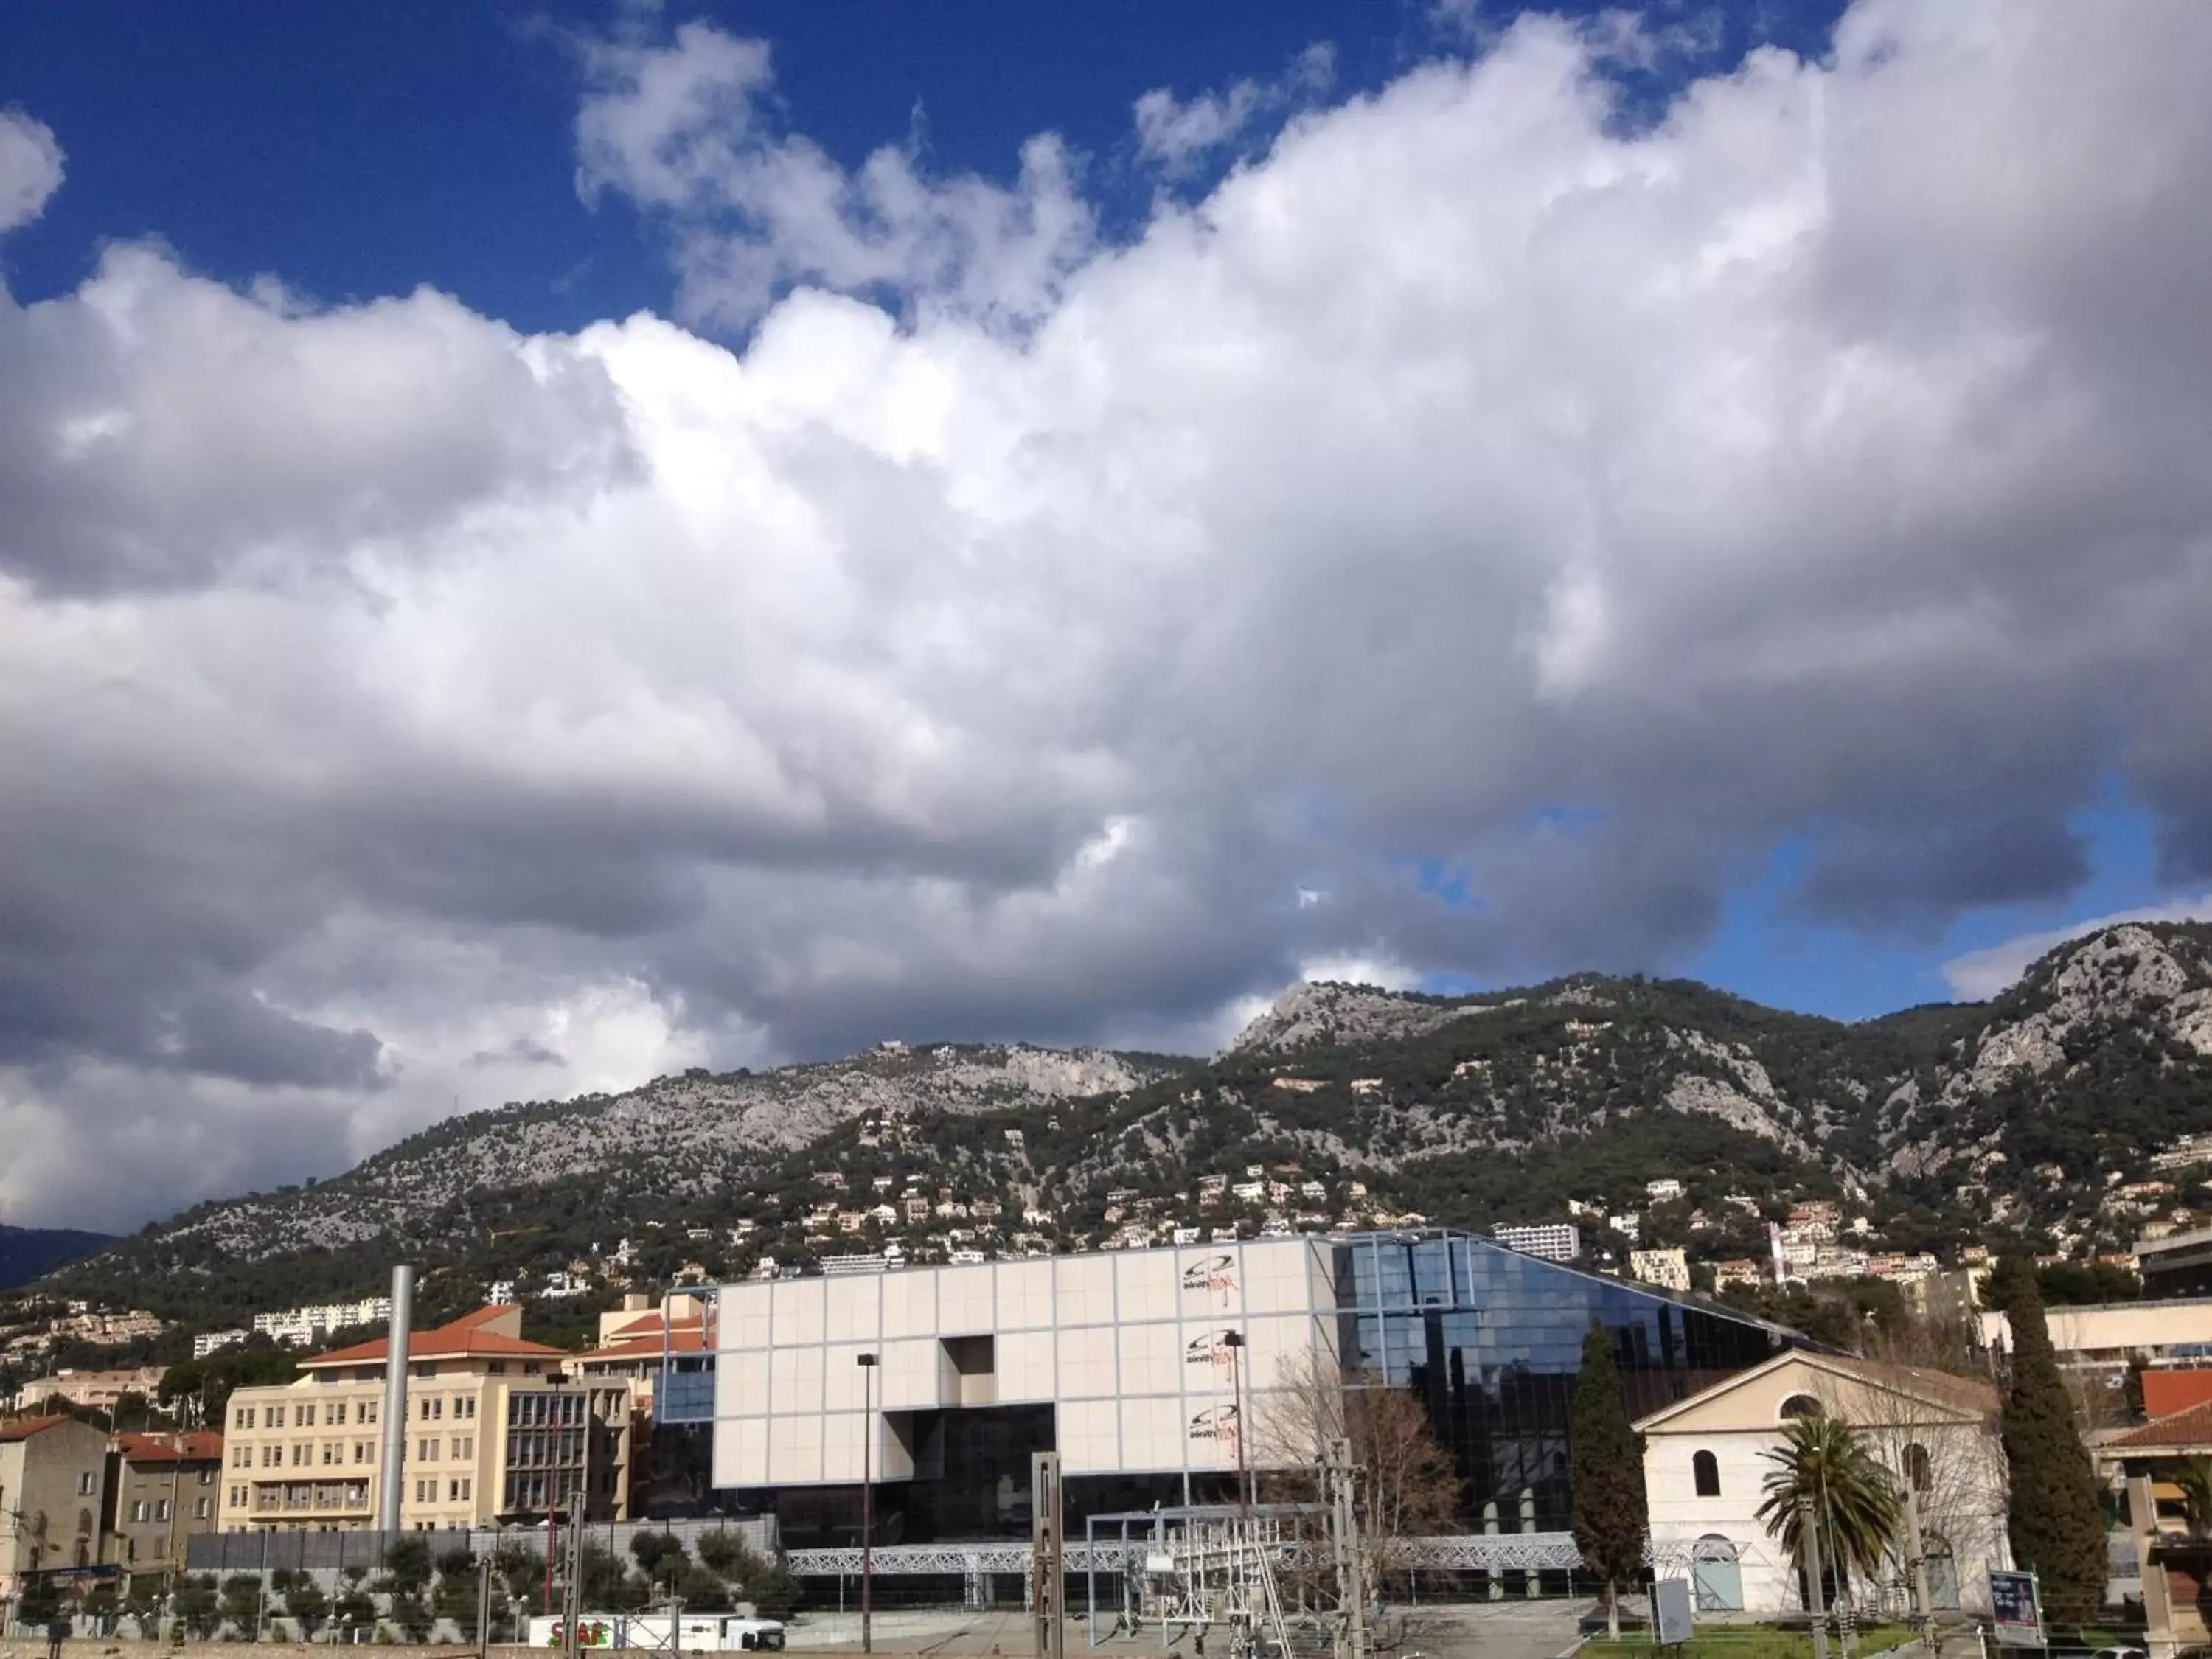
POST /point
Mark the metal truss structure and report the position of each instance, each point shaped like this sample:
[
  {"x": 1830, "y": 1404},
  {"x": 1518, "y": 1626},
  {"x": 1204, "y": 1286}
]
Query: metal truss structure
[{"x": 1502, "y": 1552}]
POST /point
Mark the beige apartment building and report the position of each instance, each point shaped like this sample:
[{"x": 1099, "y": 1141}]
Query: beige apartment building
[{"x": 495, "y": 1432}]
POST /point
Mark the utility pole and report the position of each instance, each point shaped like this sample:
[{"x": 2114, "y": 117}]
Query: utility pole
[
  {"x": 483, "y": 1607},
  {"x": 1048, "y": 1567},
  {"x": 1234, "y": 1341},
  {"x": 1809, "y": 1527},
  {"x": 1342, "y": 1477},
  {"x": 867, "y": 1362},
  {"x": 1920, "y": 1604}
]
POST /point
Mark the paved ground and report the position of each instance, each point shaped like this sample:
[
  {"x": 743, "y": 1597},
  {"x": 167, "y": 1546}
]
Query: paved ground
[{"x": 1495, "y": 1630}]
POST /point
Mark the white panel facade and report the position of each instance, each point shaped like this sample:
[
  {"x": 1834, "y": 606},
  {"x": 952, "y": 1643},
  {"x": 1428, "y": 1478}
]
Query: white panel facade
[{"x": 1128, "y": 1347}]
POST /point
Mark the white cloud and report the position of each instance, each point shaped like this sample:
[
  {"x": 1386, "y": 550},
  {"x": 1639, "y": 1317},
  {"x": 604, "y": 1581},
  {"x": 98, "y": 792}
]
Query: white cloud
[
  {"x": 683, "y": 129},
  {"x": 1002, "y": 645},
  {"x": 30, "y": 168},
  {"x": 1177, "y": 135},
  {"x": 1980, "y": 974}
]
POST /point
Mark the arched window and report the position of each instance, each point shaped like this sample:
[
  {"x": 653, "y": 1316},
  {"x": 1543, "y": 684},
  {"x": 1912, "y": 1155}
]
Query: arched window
[
  {"x": 1918, "y": 1474},
  {"x": 1705, "y": 1471},
  {"x": 1800, "y": 1404}
]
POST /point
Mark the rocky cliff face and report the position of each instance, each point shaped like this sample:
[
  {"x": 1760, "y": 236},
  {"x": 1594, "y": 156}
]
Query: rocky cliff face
[{"x": 684, "y": 1136}]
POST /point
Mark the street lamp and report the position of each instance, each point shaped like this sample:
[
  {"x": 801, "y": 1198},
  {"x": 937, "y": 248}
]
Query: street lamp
[
  {"x": 1234, "y": 1341},
  {"x": 867, "y": 1362}
]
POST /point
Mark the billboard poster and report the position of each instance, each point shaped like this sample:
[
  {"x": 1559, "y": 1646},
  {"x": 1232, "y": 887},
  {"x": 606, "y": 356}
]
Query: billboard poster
[{"x": 2016, "y": 1616}]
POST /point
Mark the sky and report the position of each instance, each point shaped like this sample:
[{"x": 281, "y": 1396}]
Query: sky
[{"x": 542, "y": 546}]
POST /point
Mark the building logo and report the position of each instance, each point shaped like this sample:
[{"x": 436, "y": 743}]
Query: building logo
[
  {"x": 1212, "y": 1349},
  {"x": 1223, "y": 1425},
  {"x": 1212, "y": 1272}
]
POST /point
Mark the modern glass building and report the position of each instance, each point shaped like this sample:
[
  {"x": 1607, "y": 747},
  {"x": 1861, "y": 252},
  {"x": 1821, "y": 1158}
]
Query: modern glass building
[{"x": 1144, "y": 1369}]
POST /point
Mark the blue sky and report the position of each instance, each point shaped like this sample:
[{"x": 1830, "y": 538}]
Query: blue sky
[
  {"x": 362, "y": 151},
  {"x": 543, "y": 544}
]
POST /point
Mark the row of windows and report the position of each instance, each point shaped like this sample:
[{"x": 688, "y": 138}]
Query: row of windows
[
  {"x": 303, "y": 1415},
  {"x": 538, "y": 1410},
  {"x": 459, "y": 1449},
  {"x": 457, "y": 1490},
  {"x": 1705, "y": 1470},
  {"x": 157, "y": 1509},
  {"x": 431, "y": 1407}
]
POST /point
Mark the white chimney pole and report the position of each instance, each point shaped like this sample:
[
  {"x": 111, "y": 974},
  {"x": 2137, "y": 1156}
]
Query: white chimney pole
[{"x": 398, "y": 1332}]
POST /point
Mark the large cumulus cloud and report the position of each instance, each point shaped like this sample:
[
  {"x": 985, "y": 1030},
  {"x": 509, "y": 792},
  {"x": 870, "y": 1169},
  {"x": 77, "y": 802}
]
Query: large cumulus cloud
[{"x": 1467, "y": 537}]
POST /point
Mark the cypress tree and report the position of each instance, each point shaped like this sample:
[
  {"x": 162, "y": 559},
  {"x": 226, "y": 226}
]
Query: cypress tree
[
  {"x": 1606, "y": 1471},
  {"x": 2056, "y": 1523}
]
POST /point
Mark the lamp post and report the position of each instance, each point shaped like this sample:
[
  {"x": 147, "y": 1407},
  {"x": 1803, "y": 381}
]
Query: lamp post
[
  {"x": 1234, "y": 1341},
  {"x": 867, "y": 1362}
]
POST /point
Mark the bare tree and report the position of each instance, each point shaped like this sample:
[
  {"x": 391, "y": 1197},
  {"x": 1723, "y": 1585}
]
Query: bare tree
[
  {"x": 1408, "y": 1489},
  {"x": 1934, "y": 1430}
]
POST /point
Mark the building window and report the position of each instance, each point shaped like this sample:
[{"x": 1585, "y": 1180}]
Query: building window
[
  {"x": 1800, "y": 1404},
  {"x": 207, "y": 1475},
  {"x": 1917, "y": 1472},
  {"x": 336, "y": 1411},
  {"x": 246, "y": 1417},
  {"x": 200, "y": 1509},
  {"x": 275, "y": 1417},
  {"x": 161, "y": 1509},
  {"x": 368, "y": 1411},
  {"x": 88, "y": 1483},
  {"x": 1705, "y": 1472},
  {"x": 130, "y": 1549},
  {"x": 138, "y": 1514}
]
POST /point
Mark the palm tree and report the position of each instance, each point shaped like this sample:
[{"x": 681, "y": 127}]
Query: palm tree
[{"x": 1822, "y": 1462}]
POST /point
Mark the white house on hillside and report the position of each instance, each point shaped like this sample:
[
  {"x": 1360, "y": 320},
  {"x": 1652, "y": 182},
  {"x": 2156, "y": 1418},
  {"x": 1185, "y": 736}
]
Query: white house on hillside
[{"x": 1703, "y": 1470}]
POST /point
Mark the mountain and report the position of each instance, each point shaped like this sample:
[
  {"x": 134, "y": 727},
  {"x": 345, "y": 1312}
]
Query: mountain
[
  {"x": 2030, "y": 1118},
  {"x": 27, "y": 1252}
]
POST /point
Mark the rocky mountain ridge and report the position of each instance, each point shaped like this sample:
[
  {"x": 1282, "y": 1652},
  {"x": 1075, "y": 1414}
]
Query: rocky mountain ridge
[{"x": 2032, "y": 1117}]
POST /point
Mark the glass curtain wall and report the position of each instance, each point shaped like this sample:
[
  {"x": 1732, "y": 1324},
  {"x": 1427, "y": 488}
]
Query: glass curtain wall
[{"x": 1491, "y": 1341}]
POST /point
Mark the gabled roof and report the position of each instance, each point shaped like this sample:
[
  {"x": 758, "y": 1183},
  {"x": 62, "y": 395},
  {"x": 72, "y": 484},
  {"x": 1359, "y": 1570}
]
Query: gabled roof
[
  {"x": 466, "y": 1338},
  {"x": 23, "y": 1428},
  {"x": 2188, "y": 1432},
  {"x": 1961, "y": 1396},
  {"x": 196, "y": 1446}
]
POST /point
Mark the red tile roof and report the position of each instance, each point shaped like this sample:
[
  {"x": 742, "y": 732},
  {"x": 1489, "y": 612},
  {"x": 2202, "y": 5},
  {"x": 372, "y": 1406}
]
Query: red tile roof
[
  {"x": 464, "y": 1339},
  {"x": 196, "y": 1446},
  {"x": 2191, "y": 1428},
  {"x": 23, "y": 1428},
  {"x": 646, "y": 1344}
]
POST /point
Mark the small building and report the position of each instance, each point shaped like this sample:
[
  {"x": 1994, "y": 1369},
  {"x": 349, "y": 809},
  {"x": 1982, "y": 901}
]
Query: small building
[
  {"x": 160, "y": 1489},
  {"x": 1669, "y": 1269},
  {"x": 1706, "y": 1456},
  {"x": 50, "y": 1474},
  {"x": 1554, "y": 1241},
  {"x": 98, "y": 1391}
]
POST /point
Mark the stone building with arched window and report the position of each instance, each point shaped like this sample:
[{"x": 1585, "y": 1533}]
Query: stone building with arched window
[{"x": 1705, "y": 1461}]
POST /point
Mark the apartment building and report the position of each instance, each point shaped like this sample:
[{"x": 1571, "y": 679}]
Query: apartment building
[
  {"x": 50, "y": 1469},
  {"x": 1553, "y": 1240},
  {"x": 159, "y": 1490},
  {"x": 495, "y": 1431},
  {"x": 101, "y": 1391}
]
